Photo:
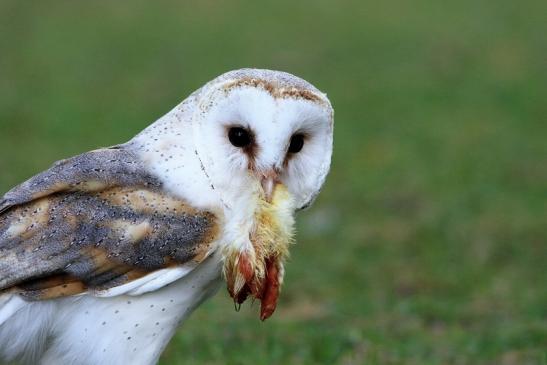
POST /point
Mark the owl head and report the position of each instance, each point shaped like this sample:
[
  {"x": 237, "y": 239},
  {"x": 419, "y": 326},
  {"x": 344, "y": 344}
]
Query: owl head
[{"x": 260, "y": 128}]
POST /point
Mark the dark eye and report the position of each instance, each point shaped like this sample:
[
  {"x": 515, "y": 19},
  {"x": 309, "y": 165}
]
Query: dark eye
[
  {"x": 297, "y": 142},
  {"x": 239, "y": 137}
]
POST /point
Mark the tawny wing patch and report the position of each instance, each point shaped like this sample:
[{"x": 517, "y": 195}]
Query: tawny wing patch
[
  {"x": 95, "y": 222},
  {"x": 89, "y": 172}
]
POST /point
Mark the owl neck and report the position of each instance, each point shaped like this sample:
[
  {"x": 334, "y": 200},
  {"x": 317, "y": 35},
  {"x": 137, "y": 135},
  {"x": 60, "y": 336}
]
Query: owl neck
[{"x": 167, "y": 149}]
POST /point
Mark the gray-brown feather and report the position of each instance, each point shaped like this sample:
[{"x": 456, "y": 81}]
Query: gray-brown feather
[
  {"x": 114, "y": 166},
  {"x": 97, "y": 219}
]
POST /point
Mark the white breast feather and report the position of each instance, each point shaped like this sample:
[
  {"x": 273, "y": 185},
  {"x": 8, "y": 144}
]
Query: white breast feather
[{"x": 115, "y": 330}]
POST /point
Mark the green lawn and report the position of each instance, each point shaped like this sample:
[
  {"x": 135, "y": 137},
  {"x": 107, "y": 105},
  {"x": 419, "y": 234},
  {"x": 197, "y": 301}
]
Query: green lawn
[{"x": 428, "y": 244}]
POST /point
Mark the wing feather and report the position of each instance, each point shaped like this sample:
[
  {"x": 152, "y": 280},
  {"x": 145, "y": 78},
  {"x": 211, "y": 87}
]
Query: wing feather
[{"x": 95, "y": 222}]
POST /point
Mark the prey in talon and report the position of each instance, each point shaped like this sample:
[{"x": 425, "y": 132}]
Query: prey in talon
[{"x": 257, "y": 270}]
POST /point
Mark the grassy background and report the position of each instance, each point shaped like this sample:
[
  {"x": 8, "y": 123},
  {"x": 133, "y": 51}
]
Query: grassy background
[{"x": 429, "y": 242}]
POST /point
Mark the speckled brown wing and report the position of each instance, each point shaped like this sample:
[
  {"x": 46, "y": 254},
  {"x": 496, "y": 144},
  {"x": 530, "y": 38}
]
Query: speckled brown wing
[{"x": 95, "y": 221}]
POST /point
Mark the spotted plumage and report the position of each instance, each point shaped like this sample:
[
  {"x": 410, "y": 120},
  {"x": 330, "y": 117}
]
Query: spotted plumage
[
  {"x": 94, "y": 222},
  {"x": 103, "y": 255}
]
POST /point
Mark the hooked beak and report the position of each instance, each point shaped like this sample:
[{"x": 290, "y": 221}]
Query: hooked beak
[{"x": 269, "y": 180}]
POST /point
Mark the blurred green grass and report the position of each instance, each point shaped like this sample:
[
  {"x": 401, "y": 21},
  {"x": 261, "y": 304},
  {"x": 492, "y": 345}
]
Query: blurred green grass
[{"x": 428, "y": 244}]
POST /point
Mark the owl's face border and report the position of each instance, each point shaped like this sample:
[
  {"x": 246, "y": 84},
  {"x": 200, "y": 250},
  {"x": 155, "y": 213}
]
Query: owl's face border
[{"x": 273, "y": 114}]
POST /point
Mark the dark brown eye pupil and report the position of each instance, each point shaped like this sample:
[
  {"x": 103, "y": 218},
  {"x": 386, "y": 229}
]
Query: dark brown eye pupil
[
  {"x": 239, "y": 137},
  {"x": 297, "y": 142}
]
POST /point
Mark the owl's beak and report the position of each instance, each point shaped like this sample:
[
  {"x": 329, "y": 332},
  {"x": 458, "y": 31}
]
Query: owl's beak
[{"x": 269, "y": 180}]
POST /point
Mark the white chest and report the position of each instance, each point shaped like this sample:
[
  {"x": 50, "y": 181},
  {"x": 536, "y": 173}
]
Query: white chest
[{"x": 115, "y": 330}]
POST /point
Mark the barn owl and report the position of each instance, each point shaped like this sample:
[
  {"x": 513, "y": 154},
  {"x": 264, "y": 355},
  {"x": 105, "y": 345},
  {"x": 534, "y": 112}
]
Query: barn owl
[{"x": 103, "y": 255}]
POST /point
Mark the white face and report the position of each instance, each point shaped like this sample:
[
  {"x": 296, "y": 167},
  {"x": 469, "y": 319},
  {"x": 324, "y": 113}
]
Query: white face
[{"x": 244, "y": 134}]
